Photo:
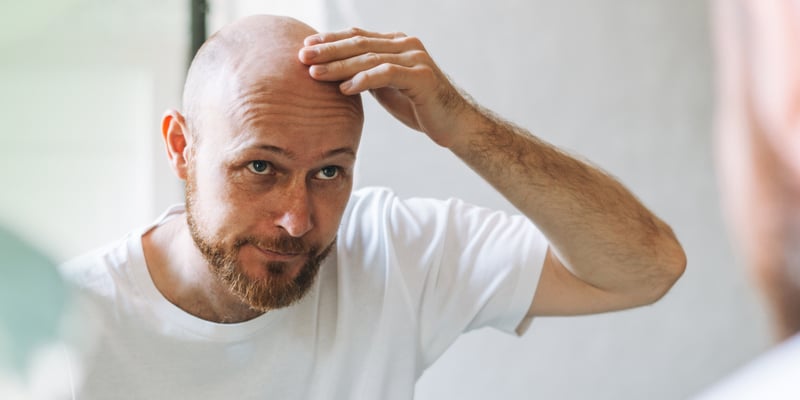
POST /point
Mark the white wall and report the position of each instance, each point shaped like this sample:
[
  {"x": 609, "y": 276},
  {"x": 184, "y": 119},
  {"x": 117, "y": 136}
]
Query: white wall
[
  {"x": 625, "y": 84},
  {"x": 84, "y": 84}
]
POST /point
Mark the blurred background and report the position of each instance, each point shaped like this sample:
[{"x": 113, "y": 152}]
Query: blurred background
[{"x": 626, "y": 84}]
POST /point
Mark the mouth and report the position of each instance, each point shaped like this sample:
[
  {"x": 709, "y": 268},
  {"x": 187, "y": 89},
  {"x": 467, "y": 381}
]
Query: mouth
[{"x": 277, "y": 255}]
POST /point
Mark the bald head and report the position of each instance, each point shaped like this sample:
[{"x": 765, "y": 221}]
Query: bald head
[{"x": 255, "y": 56}]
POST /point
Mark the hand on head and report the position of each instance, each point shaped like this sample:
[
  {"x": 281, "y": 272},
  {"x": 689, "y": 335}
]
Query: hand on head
[{"x": 398, "y": 71}]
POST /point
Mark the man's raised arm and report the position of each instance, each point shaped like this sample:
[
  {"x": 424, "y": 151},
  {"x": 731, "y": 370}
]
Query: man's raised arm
[{"x": 607, "y": 251}]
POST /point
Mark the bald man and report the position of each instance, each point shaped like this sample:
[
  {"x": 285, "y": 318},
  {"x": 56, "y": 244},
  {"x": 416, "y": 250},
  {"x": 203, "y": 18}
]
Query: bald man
[{"x": 274, "y": 280}]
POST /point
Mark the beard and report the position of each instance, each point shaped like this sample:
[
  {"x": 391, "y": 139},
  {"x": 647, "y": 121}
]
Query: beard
[{"x": 275, "y": 289}]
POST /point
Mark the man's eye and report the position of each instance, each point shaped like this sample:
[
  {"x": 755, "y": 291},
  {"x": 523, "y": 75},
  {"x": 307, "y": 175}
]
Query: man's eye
[
  {"x": 260, "y": 167},
  {"x": 328, "y": 173}
]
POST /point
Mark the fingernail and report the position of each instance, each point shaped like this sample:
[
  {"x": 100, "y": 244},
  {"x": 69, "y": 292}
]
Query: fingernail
[
  {"x": 319, "y": 70},
  {"x": 310, "y": 54},
  {"x": 345, "y": 86},
  {"x": 314, "y": 39}
]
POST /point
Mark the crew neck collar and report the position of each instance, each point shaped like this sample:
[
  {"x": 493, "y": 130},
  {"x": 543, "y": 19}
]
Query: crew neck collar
[{"x": 173, "y": 315}]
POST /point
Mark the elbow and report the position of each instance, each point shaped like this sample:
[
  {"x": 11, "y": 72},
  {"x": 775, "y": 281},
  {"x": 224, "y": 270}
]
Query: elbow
[
  {"x": 673, "y": 259},
  {"x": 668, "y": 266}
]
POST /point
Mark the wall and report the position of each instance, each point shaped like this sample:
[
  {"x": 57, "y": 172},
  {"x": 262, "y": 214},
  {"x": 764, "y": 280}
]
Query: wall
[{"x": 84, "y": 85}]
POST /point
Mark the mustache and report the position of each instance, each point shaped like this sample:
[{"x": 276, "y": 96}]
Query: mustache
[{"x": 281, "y": 244}]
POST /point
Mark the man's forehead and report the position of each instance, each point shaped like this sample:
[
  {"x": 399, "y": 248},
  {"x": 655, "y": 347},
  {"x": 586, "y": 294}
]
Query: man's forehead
[
  {"x": 283, "y": 147},
  {"x": 278, "y": 115},
  {"x": 292, "y": 96}
]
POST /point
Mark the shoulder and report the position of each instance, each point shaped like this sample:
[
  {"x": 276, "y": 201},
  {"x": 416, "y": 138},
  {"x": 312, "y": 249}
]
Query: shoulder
[
  {"x": 103, "y": 269},
  {"x": 377, "y": 219},
  {"x": 380, "y": 211},
  {"x": 384, "y": 203},
  {"x": 367, "y": 210},
  {"x": 94, "y": 271},
  {"x": 369, "y": 199}
]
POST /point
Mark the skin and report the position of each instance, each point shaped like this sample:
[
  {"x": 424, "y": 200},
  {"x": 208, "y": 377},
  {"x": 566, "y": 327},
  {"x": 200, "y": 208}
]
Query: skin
[
  {"x": 607, "y": 252},
  {"x": 757, "y": 144},
  {"x": 269, "y": 153}
]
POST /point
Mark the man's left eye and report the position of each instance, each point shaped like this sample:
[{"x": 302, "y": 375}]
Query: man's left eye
[
  {"x": 260, "y": 167},
  {"x": 328, "y": 173}
]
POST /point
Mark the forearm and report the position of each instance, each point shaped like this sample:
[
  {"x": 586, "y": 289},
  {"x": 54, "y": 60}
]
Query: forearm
[{"x": 598, "y": 229}]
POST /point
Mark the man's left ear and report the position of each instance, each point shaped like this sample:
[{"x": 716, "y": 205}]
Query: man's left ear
[{"x": 175, "y": 134}]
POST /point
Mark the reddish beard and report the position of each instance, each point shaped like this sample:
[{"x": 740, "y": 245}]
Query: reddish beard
[{"x": 275, "y": 289}]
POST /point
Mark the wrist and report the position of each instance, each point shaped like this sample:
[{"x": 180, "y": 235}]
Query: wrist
[{"x": 473, "y": 125}]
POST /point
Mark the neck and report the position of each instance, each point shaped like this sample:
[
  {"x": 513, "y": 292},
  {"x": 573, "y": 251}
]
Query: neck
[{"x": 183, "y": 276}]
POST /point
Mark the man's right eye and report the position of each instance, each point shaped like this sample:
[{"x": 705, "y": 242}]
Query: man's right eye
[{"x": 260, "y": 167}]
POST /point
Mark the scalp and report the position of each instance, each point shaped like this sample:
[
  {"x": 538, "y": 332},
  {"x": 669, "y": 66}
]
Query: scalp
[{"x": 254, "y": 53}]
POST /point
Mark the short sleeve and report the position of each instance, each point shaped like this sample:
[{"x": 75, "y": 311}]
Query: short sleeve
[{"x": 463, "y": 267}]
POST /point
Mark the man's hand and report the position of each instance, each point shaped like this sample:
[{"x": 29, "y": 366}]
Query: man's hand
[{"x": 398, "y": 71}]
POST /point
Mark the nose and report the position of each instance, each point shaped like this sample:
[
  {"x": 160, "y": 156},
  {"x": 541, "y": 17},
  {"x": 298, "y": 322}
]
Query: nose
[{"x": 295, "y": 214}]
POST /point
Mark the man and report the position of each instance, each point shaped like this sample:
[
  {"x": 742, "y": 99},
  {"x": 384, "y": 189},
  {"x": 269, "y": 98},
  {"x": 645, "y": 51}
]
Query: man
[
  {"x": 758, "y": 51},
  {"x": 276, "y": 281}
]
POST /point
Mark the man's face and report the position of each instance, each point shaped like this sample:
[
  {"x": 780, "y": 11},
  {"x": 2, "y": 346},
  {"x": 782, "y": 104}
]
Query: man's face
[{"x": 268, "y": 181}]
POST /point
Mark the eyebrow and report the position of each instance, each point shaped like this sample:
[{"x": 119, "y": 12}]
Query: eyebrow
[{"x": 288, "y": 154}]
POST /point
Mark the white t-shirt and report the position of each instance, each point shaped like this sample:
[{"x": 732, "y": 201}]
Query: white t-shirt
[{"x": 407, "y": 277}]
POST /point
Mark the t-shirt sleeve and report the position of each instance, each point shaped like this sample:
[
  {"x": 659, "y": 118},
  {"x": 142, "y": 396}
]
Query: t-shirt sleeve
[{"x": 465, "y": 267}]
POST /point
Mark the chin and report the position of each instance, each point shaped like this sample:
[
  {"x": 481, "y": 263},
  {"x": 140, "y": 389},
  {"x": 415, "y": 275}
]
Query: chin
[{"x": 273, "y": 272}]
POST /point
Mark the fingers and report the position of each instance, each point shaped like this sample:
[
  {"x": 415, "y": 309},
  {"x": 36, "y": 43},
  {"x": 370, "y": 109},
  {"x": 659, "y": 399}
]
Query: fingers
[
  {"x": 352, "y": 32},
  {"x": 366, "y": 60},
  {"x": 395, "y": 68},
  {"x": 352, "y": 46},
  {"x": 324, "y": 47},
  {"x": 406, "y": 79},
  {"x": 344, "y": 69}
]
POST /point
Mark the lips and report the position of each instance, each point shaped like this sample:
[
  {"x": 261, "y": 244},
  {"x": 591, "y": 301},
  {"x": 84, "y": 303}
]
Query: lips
[{"x": 278, "y": 255}]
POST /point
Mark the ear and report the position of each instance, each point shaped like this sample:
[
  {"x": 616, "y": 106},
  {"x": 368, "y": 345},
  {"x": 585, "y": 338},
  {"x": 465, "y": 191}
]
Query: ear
[{"x": 173, "y": 130}]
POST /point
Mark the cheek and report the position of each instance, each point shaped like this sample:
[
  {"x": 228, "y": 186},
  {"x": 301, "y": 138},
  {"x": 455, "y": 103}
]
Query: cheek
[{"x": 214, "y": 204}]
